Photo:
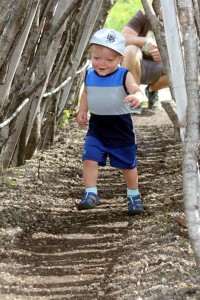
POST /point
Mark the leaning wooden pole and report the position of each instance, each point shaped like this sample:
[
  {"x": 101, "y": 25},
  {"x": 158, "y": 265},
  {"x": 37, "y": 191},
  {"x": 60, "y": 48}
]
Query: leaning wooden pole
[{"x": 176, "y": 62}]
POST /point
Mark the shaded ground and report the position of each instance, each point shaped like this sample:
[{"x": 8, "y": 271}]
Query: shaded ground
[{"x": 49, "y": 250}]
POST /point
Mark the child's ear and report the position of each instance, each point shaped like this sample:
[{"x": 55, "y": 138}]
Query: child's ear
[{"x": 121, "y": 58}]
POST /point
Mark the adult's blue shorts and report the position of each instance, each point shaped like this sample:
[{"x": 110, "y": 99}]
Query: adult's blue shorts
[{"x": 120, "y": 157}]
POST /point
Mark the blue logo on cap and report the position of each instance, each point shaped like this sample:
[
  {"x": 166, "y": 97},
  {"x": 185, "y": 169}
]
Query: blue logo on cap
[{"x": 110, "y": 38}]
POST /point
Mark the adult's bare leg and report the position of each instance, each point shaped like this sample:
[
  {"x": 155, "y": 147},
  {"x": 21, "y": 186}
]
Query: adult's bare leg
[
  {"x": 132, "y": 61},
  {"x": 161, "y": 83}
]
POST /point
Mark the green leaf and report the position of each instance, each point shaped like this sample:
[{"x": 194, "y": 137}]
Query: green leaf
[{"x": 121, "y": 13}]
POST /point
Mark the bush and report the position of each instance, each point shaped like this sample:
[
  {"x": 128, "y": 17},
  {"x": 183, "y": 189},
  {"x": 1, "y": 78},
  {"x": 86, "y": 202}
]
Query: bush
[{"x": 121, "y": 12}]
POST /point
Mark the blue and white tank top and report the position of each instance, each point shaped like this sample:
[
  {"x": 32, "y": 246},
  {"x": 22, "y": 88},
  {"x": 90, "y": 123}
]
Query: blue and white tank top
[{"x": 110, "y": 118}]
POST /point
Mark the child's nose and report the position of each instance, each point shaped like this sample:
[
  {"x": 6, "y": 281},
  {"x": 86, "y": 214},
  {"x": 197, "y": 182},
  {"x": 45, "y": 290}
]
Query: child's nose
[{"x": 102, "y": 62}]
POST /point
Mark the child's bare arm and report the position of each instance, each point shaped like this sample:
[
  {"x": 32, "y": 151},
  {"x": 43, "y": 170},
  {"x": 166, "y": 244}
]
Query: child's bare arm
[
  {"x": 81, "y": 117},
  {"x": 135, "y": 96}
]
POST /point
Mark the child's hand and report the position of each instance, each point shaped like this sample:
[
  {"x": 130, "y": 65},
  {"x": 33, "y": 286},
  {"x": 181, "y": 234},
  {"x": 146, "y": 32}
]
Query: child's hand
[
  {"x": 132, "y": 100},
  {"x": 135, "y": 99},
  {"x": 81, "y": 119}
]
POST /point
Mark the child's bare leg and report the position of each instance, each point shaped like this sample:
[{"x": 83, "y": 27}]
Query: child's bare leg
[
  {"x": 90, "y": 173},
  {"x": 131, "y": 178}
]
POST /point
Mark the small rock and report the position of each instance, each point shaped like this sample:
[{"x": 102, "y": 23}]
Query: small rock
[{"x": 101, "y": 294}]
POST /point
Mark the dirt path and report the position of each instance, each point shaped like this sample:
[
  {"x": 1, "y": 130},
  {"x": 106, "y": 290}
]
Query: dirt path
[{"x": 49, "y": 250}]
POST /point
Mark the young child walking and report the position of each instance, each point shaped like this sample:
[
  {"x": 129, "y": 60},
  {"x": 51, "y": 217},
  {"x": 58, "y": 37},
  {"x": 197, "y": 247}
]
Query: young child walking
[{"x": 110, "y": 93}]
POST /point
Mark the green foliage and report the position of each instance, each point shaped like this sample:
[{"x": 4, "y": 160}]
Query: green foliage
[
  {"x": 9, "y": 182},
  {"x": 121, "y": 13},
  {"x": 66, "y": 115}
]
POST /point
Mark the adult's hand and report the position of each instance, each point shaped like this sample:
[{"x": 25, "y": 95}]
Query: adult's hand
[{"x": 155, "y": 54}]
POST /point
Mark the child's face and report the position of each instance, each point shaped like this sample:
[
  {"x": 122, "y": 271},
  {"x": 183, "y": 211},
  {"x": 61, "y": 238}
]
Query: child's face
[{"x": 104, "y": 60}]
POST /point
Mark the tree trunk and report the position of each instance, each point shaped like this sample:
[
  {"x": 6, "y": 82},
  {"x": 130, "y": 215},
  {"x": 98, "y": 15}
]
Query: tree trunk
[
  {"x": 17, "y": 52},
  {"x": 184, "y": 62},
  {"x": 176, "y": 61},
  {"x": 191, "y": 143}
]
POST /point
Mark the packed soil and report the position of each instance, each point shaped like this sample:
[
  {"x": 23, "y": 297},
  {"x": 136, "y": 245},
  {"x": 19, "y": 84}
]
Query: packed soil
[{"x": 50, "y": 250}]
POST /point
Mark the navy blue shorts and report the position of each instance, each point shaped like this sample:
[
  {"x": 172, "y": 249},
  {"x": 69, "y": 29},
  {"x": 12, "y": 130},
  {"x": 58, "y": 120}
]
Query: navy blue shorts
[{"x": 120, "y": 157}]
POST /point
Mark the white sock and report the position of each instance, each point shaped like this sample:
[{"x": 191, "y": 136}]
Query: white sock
[
  {"x": 150, "y": 90},
  {"x": 91, "y": 190},
  {"x": 132, "y": 192}
]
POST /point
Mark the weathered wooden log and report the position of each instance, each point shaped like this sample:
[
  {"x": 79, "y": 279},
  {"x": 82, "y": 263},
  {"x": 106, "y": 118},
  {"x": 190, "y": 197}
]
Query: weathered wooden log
[{"x": 170, "y": 108}]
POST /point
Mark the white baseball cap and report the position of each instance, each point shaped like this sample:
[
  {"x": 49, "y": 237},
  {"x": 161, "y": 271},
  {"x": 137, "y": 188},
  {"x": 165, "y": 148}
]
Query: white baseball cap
[{"x": 109, "y": 38}]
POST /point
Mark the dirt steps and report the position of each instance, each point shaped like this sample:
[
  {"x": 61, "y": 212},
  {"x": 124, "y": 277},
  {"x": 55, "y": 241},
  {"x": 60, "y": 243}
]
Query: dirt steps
[{"x": 52, "y": 251}]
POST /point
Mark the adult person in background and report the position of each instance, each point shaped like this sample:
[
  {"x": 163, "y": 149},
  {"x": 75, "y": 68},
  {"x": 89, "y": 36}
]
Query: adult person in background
[{"x": 143, "y": 59}]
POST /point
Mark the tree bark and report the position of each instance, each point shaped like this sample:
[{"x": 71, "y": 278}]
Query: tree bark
[
  {"x": 47, "y": 53},
  {"x": 191, "y": 143}
]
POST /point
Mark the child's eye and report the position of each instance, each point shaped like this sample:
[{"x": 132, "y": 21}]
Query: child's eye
[{"x": 110, "y": 60}]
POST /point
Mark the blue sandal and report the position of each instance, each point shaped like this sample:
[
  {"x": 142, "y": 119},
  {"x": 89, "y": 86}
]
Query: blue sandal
[
  {"x": 135, "y": 205},
  {"x": 89, "y": 201}
]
